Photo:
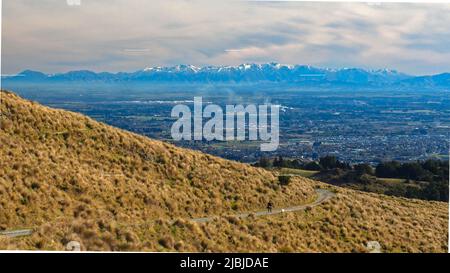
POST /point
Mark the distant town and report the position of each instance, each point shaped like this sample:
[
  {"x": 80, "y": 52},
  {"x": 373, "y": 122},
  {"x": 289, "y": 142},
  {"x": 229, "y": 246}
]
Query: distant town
[{"x": 354, "y": 124}]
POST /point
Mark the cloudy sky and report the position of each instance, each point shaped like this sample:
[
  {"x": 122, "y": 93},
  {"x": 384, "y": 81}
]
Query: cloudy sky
[{"x": 127, "y": 35}]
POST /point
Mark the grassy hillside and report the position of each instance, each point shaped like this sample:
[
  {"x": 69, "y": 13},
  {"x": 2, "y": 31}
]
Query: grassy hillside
[{"x": 71, "y": 178}]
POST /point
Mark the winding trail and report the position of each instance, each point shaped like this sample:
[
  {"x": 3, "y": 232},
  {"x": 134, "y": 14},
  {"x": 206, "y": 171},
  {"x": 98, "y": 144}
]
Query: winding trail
[
  {"x": 16, "y": 233},
  {"x": 322, "y": 196}
]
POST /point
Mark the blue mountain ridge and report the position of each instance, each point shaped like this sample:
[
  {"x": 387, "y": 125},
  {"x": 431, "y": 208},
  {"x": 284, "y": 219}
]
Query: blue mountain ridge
[{"x": 244, "y": 73}]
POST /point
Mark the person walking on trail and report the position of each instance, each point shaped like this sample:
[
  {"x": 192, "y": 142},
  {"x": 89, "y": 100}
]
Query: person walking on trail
[{"x": 269, "y": 206}]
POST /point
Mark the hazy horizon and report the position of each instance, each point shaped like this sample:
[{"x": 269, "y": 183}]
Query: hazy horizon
[
  {"x": 119, "y": 35},
  {"x": 204, "y": 66}
]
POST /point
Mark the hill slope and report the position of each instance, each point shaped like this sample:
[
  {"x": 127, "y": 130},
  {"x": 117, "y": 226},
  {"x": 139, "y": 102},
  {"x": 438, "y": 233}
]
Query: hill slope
[{"x": 71, "y": 178}]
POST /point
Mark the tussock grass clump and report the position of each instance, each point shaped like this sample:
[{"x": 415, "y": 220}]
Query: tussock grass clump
[
  {"x": 71, "y": 178},
  {"x": 58, "y": 165}
]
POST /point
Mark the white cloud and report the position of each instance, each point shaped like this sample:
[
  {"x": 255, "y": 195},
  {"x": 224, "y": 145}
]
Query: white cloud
[{"x": 115, "y": 35}]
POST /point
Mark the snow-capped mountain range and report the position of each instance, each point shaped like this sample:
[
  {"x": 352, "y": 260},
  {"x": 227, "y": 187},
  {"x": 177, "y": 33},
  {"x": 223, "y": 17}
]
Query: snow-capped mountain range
[{"x": 244, "y": 73}]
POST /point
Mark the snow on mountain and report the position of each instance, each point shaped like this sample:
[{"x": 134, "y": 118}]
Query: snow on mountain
[{"x": 249, "y": 72}]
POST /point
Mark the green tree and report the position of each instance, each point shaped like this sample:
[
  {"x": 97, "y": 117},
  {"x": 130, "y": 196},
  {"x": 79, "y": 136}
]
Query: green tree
[
  {"x": 387, "y": 169},
  {"x": 328, "y": 162},
  {"x": 264, "y": 162},
  {"x": 364, "y": 168},
  {"x": 312, "y": 166}
]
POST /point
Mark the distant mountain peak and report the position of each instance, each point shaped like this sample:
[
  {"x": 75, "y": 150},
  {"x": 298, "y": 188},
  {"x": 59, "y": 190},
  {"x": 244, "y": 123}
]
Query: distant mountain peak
[{"x": 246, "y": 72}]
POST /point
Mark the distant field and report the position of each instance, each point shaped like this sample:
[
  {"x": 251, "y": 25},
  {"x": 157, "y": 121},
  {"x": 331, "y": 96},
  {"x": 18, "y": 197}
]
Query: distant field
[
  {"x": 400, "y": 182},
  {"x": 304, "y": 173},
  {"x": 391, "y": 180}
]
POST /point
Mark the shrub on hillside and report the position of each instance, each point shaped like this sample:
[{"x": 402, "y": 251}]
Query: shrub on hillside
[{"x": 284, "y": 180}]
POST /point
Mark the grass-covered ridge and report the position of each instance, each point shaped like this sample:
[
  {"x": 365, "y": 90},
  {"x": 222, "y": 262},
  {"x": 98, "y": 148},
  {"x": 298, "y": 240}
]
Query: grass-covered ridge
[{"x": 71, "y": 178}]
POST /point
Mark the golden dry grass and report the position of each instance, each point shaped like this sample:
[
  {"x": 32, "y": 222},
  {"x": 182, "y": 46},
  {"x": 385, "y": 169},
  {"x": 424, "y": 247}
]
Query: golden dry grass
[{"x": 72, "y": 178}]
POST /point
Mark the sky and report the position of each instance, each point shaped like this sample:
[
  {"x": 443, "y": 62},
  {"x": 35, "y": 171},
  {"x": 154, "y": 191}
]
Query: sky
[{"x": 129, "y": 35}]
